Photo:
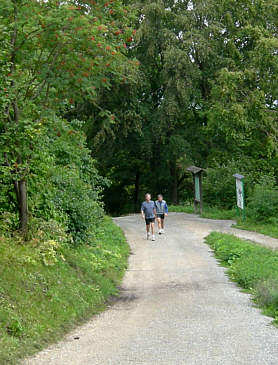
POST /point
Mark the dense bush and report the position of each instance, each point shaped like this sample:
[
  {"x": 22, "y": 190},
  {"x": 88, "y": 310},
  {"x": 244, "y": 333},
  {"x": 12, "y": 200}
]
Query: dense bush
[
  {"x": 263, "y": 204},
  {"x": 63, "y": 183},
  {"x": 219, "y": 183},
  {"x": 253, "y": 266}
]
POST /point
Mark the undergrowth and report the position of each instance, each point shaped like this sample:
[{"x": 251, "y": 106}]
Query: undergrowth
[
  {"x": 269, "y": 229},
  {"x": 47, "y": 287},
  {"x": 253, "y": 267},
  {"x": 208, "y": 211}
]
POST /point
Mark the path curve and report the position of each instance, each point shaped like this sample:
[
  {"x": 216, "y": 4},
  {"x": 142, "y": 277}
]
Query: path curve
[{"x": 176, "y": 307}]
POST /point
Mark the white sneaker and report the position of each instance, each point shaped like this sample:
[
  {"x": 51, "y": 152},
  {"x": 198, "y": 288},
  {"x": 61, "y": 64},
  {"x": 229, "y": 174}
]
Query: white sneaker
[
  {"x": 148, "y": 235},
  {"x": 153, "y": 237},
  {"x": 160, "y": 231}
]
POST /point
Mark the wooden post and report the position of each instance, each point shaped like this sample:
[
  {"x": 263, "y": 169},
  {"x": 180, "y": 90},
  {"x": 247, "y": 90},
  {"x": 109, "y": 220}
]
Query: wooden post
[
  {"x": 197, "y": 185},
  {"x": 195, "y": 201},
  {"x": 201, "y": 194}
]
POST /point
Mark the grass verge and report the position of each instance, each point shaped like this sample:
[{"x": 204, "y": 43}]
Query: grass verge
[
  {"x": 208, "y": 211},
  {"x": 253, "y": 267},
  {"x": 217, "y": 213},
  {"x": 41, "y": 298},
  {"x": 264, "y": 228}
]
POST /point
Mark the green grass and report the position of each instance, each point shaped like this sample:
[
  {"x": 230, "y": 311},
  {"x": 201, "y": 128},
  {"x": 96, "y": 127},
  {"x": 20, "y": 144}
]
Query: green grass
[
  {"x": 218, "y": 213},
  {"x": 45, "y": 293},
  {"x": 188, "y": 208},
  {"x": 253, "y": 267},
  {"x": 264, "y": 228},
  {"x": 208, "y": 212}
]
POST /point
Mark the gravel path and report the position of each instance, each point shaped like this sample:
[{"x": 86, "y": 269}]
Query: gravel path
[{"x": 176, "y": 307}]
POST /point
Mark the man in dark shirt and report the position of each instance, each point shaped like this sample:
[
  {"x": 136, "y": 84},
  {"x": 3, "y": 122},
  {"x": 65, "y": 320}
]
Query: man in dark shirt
[{"x": 148, "y": 213}]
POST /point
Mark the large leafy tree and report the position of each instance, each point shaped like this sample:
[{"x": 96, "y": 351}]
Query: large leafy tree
[
  {"x": 54, "y": 54},
  {"x": 243, "y": 101},
  {"x": 208, "y": 92}
]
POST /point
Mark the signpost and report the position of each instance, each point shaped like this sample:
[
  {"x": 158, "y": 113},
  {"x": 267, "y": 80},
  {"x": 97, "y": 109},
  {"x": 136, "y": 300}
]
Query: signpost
[
  {"x": 240, "y": 194},
  {"x": 197, "y": 183}
]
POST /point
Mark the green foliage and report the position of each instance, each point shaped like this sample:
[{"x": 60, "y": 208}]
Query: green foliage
[
  {"x": 63, "y": 182},
  {"x": 8, "y": 223},
  {"x": 208, "y": 211},
  {"x": 263, "y": 204},
  {"x": 264, "y": 228},
  {"x": 206, "y": 96},
  {"x": 77, "y": 200},
  {"x": 64, "y": 53},
  {"x": 254, "y": 267},
  {"x": 186, "y": 208},
  {"x": 52, "y": 286},
  {"x": 219, "y": 184}
]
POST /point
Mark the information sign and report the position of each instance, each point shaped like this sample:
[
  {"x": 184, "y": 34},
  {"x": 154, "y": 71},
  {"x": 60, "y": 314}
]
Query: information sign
[
  {"x": 239, "y": 193},
  {"x": 197, "y": 188}
]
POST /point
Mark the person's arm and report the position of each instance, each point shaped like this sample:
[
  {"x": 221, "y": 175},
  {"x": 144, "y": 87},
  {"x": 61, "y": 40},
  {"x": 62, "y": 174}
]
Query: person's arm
[
  {"x": 166, "y": 209},
  {"x": 142, "y": 212}
]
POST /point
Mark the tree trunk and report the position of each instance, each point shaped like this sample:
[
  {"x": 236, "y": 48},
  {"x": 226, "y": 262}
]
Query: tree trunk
[
  {"x": 19, "y": 184},
  {"x": 21, "y": 187},
  {"x": 23, "y": 206},
  {"x": 136, "y": 191}
]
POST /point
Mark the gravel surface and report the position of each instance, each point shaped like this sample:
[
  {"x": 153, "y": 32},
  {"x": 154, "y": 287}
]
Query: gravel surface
[{"x": 176, "y": 307}]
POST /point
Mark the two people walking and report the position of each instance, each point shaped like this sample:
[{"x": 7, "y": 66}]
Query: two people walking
[{"x": 150, "y": 211}]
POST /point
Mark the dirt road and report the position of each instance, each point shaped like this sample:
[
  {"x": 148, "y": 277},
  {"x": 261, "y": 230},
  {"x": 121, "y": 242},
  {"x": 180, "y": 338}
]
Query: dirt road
[{"x": 176, "y": 307}]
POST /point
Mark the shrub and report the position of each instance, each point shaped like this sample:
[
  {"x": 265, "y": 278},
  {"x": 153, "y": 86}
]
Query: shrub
[
  {"x": 252, "y": 266},
  {"x": 219, "y": 183},
  {"x": 263, "y": 204},
  {"x": 78, "y": 201},
  {"x": 8, "y": 223},
  {"x": 267, "y": 292},
  {"x": 64, "y": 184}
]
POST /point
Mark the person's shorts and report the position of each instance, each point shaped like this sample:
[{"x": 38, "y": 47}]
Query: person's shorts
[
  {"x": 161, "y": 216},
  {"x": 149, "y": 220}
]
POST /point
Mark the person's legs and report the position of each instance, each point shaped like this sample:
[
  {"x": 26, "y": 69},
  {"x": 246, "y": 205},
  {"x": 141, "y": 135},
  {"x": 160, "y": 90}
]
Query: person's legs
[
  {"x": 159, "y": 223},
  {"x": 152, "y": 225},
  {"x": 162, "y": 223},
  {"x": 148, "y": 228}
]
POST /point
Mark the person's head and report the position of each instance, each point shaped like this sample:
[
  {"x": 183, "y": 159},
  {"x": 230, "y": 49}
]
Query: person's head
[
  {"x": 148, "y": 197},
  {"x": 160, "y": 197}
]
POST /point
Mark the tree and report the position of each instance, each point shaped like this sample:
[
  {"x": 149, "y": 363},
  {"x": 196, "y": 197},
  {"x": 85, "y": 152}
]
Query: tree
[
  {"x": 208, "y": 91},
  {"x": 65, "y": 52}
]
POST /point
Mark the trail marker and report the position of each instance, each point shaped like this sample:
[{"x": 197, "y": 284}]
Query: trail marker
[
  {"x": 240, "y": 194},
  {"x": 197, "y": 183}
]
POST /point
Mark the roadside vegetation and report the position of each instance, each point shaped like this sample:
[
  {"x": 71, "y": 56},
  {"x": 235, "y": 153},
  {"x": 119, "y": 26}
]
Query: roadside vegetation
[
  {"x": 253, "y": 267},
  {"x": 261, "y": 211},
  {"x": 60, "y": 257},
  {"x": 47, "y": 286},
  {"x": 269, "y": 229},
  {"x": 265, "y": 228},
  {"x": 103, "y": 101},
  {"x": 208, "y": 212}
]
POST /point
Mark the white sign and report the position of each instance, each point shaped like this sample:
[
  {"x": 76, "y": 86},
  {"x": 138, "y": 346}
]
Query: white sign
[{"x": 239, "y": 193}]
